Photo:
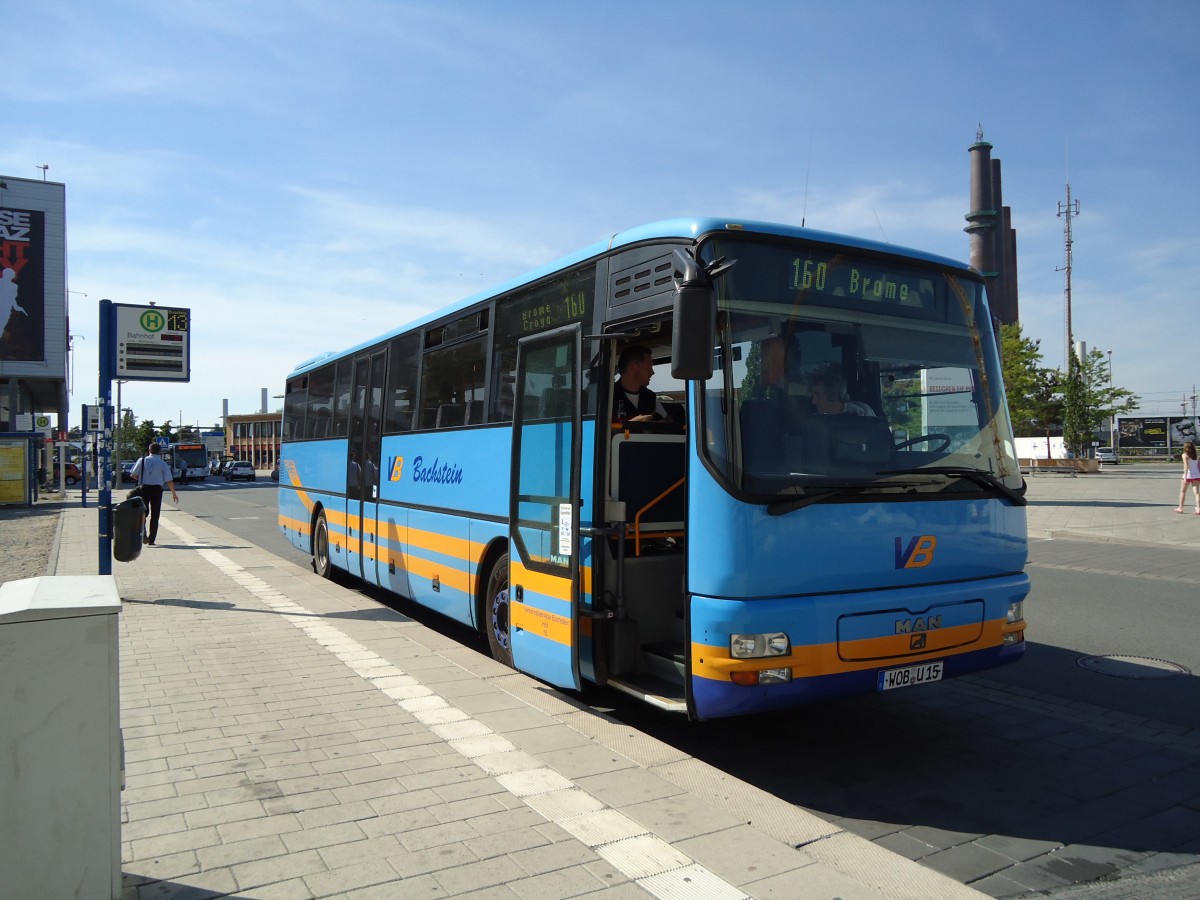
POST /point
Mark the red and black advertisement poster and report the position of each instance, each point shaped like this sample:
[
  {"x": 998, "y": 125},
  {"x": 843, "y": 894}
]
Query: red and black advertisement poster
[{"x": 22, "y": 284}]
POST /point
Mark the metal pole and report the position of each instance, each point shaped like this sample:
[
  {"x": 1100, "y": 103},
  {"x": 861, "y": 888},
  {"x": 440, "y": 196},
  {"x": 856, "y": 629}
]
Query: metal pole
[
  {"x": 118, "y": 434},
  {"x": 1112, "y": 434},
  {"x": 104, "y": 472}
]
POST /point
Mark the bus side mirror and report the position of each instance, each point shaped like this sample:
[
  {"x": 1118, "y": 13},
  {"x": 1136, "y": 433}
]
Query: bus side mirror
[{"x": 694, "y": 326}]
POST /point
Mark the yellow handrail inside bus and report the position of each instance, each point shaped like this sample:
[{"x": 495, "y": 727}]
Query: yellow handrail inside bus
[{"x": 637, "y": 519}]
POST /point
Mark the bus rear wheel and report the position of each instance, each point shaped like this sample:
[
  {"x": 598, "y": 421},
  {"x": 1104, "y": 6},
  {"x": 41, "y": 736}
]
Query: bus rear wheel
[
  {"x": 496, "y": 615},
  {"x": 320, "y": 548}
]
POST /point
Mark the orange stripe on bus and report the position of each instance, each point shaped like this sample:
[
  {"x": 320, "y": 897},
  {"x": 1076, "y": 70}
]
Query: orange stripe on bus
[
  {"x": 544, "y": 624},
  {"x": 715, "y": 663}
]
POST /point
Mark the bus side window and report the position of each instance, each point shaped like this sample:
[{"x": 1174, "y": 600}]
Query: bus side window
[
  {"x": 320, "y": 403},
  {"x": 341, "y": 397},
  {"x": 401, "y": 384}
]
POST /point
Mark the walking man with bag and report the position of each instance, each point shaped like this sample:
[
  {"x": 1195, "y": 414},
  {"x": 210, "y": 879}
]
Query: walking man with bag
[{"x": 152, "y": 474}]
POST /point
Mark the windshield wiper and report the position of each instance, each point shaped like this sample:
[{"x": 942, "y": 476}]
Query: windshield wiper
[
  {"x": 984, "y": 479},
  {"x": 799, "y": 501}
]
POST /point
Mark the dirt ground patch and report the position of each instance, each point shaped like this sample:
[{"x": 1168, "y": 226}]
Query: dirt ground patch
[{"x": 26, "y": 542}]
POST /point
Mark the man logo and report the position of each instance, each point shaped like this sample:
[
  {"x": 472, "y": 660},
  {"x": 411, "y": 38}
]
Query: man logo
[{"x": 918, "y": 553}]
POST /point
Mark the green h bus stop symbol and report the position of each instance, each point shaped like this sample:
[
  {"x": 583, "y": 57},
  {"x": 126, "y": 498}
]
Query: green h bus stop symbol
[{"x": 152, "y": 320}]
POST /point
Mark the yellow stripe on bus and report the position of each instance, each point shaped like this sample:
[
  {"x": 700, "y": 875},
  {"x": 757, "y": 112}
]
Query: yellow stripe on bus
[
  {"x": 466, "y": 551},
  {"x": 554, "y": 586},
  {"x": 715, "y": 663},
  {"x": 544, "y": 624}
]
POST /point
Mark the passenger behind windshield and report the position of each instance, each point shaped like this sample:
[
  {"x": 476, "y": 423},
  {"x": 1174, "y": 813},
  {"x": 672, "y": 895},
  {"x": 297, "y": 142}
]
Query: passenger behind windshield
[{"x": 830, "y": 397}]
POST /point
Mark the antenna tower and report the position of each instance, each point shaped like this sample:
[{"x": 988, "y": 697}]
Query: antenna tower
[{"x": 1067, "y": 211}]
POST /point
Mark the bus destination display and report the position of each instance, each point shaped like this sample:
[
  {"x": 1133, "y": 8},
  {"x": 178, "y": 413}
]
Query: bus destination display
[{"x": 842, "y": 277}]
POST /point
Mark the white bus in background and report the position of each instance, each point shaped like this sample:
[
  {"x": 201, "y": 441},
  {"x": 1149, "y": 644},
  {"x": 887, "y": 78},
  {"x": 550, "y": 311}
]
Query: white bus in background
[{"x": 187, "y": 461}]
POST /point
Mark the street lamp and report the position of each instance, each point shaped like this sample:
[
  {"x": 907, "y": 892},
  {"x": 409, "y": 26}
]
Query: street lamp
[{"x": 1112, "y": 434}]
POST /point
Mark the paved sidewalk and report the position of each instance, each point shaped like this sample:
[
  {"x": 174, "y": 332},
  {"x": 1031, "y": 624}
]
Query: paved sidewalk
[
  {"x": 289, "y": 738},
  {"x": 1126, "y": 503}
]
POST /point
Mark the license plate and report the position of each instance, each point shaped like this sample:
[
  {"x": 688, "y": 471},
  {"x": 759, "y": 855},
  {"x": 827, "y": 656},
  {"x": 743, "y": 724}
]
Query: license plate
[{"x": 909, "y": 676}]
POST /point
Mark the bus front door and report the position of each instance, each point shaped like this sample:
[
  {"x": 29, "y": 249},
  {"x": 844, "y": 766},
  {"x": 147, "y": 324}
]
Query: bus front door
[
  {"x": 362, "y": 471},
  {"x": 544, "y": 507}
]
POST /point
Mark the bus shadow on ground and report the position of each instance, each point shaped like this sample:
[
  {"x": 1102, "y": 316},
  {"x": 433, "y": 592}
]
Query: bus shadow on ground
[
  {"x": 372, "y": 614},
  {"x": 1015, "y": 772}
]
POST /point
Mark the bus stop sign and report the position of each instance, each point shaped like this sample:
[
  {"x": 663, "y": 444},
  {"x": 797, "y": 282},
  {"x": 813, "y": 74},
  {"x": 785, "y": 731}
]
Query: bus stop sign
[{"x": 152, "y": 343}]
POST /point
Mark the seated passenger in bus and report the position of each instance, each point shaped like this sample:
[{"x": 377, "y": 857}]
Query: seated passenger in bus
[
  {"x": 830, "y": 397},
  {"x": 633, "y": 401}
]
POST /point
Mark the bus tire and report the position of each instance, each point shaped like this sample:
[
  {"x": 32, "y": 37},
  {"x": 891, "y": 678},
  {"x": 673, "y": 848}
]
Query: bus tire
[
  {"x": 320, "y": 548},
  {"x": 497, "y": 620}
]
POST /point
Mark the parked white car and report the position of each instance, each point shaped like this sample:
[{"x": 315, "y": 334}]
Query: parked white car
[
  {"x": 238, "y": 470},
  {"x": 1107, "y": 455}
]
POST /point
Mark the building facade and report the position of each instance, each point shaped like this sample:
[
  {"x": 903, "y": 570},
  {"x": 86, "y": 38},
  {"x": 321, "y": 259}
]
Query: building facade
[{"x": 254, "y": 437}]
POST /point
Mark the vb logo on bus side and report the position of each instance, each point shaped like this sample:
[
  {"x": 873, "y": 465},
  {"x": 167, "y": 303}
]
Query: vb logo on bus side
[
  {"x": 397, "y": 470},
  {"x": 918, "y": 553}
]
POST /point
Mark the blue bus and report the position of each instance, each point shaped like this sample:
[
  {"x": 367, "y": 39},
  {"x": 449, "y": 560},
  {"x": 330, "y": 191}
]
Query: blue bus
[{"x": 831, "y": 506}]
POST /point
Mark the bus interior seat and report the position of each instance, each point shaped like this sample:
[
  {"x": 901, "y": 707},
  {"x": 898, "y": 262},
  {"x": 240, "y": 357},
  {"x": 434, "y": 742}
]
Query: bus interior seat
[
  {"x": 761, "y": 437},
  {"x": 474, "y": 415},
  {"x": 644, "y": 466},
  {"x": 555, "y": 403},
  {"x": 449, "y": 415},
  {"x": 506, "y": 397}
]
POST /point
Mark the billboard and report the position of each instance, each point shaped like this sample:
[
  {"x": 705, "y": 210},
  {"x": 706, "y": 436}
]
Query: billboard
[
  {"x": 1156, "y": 432},
  {"x": 22, "y": 284},
  {"x": 33, "y": 299}
]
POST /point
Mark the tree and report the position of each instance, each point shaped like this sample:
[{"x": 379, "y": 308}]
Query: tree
[
  {"x": 752, "y": 386},
  {"x": 146, "y": 432},
  {"x": 128, "y": 436},
  {"x": 1098, "y": 398},
  {"x": 1076, "y": 432},
  {"x": 1034, "y": 404}
]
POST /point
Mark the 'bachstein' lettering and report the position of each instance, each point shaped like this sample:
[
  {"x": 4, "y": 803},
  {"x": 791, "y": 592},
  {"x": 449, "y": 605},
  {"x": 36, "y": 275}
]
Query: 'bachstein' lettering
[{"x": 437, "y": 473}]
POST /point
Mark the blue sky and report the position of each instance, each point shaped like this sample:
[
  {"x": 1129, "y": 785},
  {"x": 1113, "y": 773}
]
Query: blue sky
[{"x": 303, "y": 175}]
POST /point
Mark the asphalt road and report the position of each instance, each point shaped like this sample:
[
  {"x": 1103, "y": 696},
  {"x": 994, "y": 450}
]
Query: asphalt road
[{"x": 1079, "y": 764}]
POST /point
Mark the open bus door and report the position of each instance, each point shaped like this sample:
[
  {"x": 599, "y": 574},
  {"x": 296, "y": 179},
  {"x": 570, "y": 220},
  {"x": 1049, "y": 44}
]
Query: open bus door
[
  {"x": 543, "y": 529},
  {"x": 362, "y": 470}
]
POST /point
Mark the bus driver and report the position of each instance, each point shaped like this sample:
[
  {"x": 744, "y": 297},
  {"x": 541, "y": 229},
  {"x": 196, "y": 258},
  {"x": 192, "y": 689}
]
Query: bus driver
[{"x": 633, "y": 401}]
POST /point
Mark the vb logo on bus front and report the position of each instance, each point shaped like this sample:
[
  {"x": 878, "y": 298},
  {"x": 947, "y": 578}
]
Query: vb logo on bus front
[{"x": 918, "y": 553}]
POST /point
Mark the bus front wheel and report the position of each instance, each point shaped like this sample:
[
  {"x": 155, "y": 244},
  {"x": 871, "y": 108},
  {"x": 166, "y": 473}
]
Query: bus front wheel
[
  {"x": 497, "y": 619},
  {"x": 320, "y": 548}
]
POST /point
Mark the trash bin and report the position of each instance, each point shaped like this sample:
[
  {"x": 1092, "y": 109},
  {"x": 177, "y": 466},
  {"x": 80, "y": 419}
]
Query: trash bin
[{"x": 128, "y": 520}]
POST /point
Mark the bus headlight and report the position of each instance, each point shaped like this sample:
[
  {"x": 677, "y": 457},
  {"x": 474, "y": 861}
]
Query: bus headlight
[
  {"x": 1016, "y": 612},
  {"x": 756, "y": 646}
]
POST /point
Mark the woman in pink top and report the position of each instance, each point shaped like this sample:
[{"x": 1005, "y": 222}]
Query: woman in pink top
[{"x": 1191, "y": 476}]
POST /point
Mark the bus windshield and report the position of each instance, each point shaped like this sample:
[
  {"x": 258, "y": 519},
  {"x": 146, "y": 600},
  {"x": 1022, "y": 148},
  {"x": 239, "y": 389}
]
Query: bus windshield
[{"x": 838, "y": 370}]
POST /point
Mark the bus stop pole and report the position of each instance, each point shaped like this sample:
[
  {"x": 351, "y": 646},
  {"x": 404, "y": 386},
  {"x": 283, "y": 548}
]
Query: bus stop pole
[{"x": 103, "y": 471}]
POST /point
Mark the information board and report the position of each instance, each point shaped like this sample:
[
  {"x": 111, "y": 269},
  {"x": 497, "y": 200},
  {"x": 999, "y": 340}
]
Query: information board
[{"x": 152, "y": 343}]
